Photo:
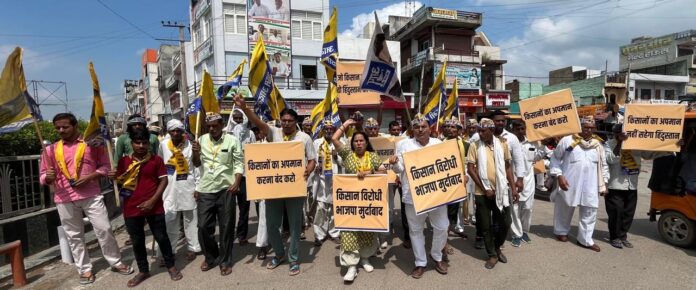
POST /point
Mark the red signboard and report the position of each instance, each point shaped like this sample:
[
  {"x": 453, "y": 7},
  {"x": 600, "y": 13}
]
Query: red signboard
[{"x": 471, "y": 101}]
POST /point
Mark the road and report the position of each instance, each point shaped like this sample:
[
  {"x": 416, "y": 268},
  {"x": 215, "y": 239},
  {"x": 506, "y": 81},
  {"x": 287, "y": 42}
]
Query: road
[{"x": 545, "y": 264}]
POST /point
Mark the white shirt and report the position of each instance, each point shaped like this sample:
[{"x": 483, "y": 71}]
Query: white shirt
[
  {"x": 178, "y": 196},
  {"x": 533, "y": 152},
  {"x": 322, "y": 187},
  {"x": 273, "y": 38},
  {"x": 579, "y": 166},
  {"x": 259, "y": 10},
  {"x": 408, "y": 145},
  {"x": 282, "y": 13},
  {"x": 276, "y": 135},
  {"x": 516, "y": 152},
  {"x": 618, "y": 178},
  {"x": 282, "y": 68}
]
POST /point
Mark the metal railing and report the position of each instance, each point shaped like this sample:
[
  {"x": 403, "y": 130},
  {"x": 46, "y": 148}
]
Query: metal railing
[
  {"x": 281, "y": 83},
  {"x": 20, "y": 191}
]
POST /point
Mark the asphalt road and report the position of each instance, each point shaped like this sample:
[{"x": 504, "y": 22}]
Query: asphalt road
[{"x": 543, "y": 264}]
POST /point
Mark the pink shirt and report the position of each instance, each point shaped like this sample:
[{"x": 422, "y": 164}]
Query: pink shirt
[{"x": 94, "y": 160}]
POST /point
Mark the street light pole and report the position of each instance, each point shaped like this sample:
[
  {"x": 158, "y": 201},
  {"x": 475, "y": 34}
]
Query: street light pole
[{"x": 183, "y": 90}]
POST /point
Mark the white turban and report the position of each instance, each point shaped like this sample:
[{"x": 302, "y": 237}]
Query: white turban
[{"x": 175, "y": 124}]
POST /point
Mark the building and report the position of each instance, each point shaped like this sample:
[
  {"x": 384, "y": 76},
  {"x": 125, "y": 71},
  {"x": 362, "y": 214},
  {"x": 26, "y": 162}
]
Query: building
[
  {"x": 661, "y": 68},
  {"x": 168, "y": 80},
  {"x": 435, "y": 35},
  {"x": 521, "y": 91},
  {"x": 571, "y": 74},
  {"x": 133, "y": 94}
]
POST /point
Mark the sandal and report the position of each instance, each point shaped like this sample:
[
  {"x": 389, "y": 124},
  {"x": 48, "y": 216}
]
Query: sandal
[
  {"x": 224, "y": 271},
  {"x": 294, "y": 268},
  {"x": 175, "y": 274},
  {"x": 275, "y": 262},
  {"x": 123, "y": 269},
  {"x": 139, "y": 278},
  {"x": 262, "y": 253},
  {"x": 85, "y": 280}
]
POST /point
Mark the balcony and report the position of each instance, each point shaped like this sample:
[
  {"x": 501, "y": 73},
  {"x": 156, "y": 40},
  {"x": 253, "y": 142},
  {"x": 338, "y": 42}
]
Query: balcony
[
  {"x": 429, "y": 16},
  {"x": 176, "y": 63},
  {"x": 439, "y": 54}
]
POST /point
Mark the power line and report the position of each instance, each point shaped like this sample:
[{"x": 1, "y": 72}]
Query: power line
[{"x": 126, "y": 20}]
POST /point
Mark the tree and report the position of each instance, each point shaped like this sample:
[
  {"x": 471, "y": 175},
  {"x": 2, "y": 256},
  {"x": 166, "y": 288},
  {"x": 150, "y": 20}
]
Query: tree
[{"x": 26, "y": 141}]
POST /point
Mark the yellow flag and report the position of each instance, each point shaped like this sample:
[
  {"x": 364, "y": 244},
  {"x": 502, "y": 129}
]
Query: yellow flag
[
  {"x": 13, "y": 90},
  {"x": 436, "y": 98},
  {"x": 97, "y": 132},
  {"x": 268, "y": 100},
  {"x": 329, "y": 50},
  {"x": 207, "y": 93},
  {"x": 452, "y": 103}
]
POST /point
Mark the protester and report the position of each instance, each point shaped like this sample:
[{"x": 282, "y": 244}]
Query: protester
[
  {"x": 522, "y": 210},
  {"x": 372, "y": 128},
  {"x": 220, "y": 157},
  {"x": 360, "y": 159},
  {"x": 178, "y": 196},
  {"x": 489, "y": 165},
  {"x": 395, "y": 131},
  {"x": 307, "y": 126},
  {"x": 261, "y": 231},
  {"x": 142, "y": 178},
  {"x": 621, "y": 201},
  {"x": 329, "y": 163},
  {"x": 579, "y": 163},
  {"x": 239, "y": 128},
  {"x": 123, "y": 143},
  {"x": 416, "y": 222},
  {"x": 275, "y": 207},
  {"x": 450, "y": 129},
  {"x": 77, "y": 194}
]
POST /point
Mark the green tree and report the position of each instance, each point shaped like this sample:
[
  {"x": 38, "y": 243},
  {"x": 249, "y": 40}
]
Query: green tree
[{"x": 26, "y": 141}]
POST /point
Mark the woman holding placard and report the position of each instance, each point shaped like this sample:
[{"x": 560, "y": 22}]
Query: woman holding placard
[{"x": 360, "y": 159}]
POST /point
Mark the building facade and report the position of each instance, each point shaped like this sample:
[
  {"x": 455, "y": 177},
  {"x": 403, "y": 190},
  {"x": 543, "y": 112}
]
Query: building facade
[{"x": 661, "y": 68}]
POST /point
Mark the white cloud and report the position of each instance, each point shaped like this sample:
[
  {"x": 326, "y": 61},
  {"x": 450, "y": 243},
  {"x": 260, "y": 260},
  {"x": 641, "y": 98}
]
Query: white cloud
[
  {"x": 589, "y": 38},
  {"x": 32, "y": 61},
  {"x": 360, "y": 20}
]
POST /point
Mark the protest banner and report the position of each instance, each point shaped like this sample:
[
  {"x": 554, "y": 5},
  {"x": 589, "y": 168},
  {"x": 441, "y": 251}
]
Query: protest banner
[
  {"x": 653, "y": 127},
  {"x": 361, "y": 204},
  {"x": 385, "y": 148},
  {"x": 435, "y": 176},
  {"x": 348, "y": 75},
  {"x": 550, "y": 115},
  {"x": 275, "y": 170}
]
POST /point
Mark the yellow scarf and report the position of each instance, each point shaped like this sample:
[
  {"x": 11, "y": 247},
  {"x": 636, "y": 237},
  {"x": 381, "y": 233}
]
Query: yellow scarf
[
  {"x": 289, "y": 137},
  {"x": 326, "y": 151},
  {"x": 364, "y": 163},
  {"x": 177, "y": 160},
  {"x": 77, "y": 160},
  {"x": 129, "y": 179},
  {"x": 628, "y": 164},
  {"x": 577, "y": 139}
]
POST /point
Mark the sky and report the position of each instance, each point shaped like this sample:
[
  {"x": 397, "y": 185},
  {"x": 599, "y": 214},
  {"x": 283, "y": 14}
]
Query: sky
[{"x": 535, "y": 36}]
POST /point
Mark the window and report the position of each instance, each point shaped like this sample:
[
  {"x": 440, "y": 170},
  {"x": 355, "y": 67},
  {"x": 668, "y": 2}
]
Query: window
[
  {"x": 307, "y": 25},
  {"x": 197, "y": 36},
  {"x": 657, "y": 94},
  {"x": 669, "y": 94},
  {"x": 645, "y": 94},
  {"x": 235, "y": 19}
]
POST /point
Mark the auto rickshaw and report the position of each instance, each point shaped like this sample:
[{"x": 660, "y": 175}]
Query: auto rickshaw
[{"x": 672, "y": 198}]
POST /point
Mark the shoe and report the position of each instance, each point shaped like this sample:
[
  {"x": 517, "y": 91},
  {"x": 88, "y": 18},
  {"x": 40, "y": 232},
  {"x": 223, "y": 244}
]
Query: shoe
[
  {"x": 318, "y": 243},
  {"x": 365, "y": 263},
  {"x": 616, "y": 243},
  {"x": 261, "y": 255},
  {"x": 542, "y": 188},
  {"x": 441, "y": 267},
  {"x": 516, "y": 242},
  {"x": 302, "y": 236},
  {"x": 501, "y": 256},
  {"x": 526, "y": 239},
  {"x": 627, "y": 244},
  {"x": 562, "y": 238},
  {"x": 460, "y": 233},
  {"x": 490, "y": 263},
  {"x": 407, "y": 244},
  {"x": 594, "y": 247},
  {"x": 384, "y": 245},
  {"x": 417, "y": 272},
  {"x": 478, "y": 244},
  {"x": 349, "y": 277}
]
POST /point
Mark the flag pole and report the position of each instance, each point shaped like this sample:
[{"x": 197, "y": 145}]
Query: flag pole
[
  {"x": 198, "y": 124},
  {"x": 110, "y": 152}
]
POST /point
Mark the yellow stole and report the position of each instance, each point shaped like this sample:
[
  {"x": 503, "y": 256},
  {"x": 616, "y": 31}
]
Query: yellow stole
[
  {"x": 364, "y": 163},
  {"x": 129, "y": 179},
  {"x": 178, "y": 160},
  {"x": 328, "y": 158},
  {"x": 289, "y": 137},
  {"x": 77, "y": 160},
  {"x": 628, "y": 164}
]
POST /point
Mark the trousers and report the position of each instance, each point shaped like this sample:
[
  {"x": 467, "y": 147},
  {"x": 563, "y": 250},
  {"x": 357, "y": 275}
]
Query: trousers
[
  {"x": 220, "y": 208},
  {"x": 521, "y": 217},
  {"x": 274, "y": 221},
  {"x": 621, "y": 206},
  {"x": 492, "y": 222},
  {"x": 136, "y": 230},
  {"x": 324, "y": 221},
  {"x": 563, "y": 216},
  {"x": 416, "y": 224}
]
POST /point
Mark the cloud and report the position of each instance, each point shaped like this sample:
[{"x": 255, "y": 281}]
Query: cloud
[
  {"x": 589, "y": 38},
  {"x": 32, "y": 61},
  {"x": 360, "y": 20}
]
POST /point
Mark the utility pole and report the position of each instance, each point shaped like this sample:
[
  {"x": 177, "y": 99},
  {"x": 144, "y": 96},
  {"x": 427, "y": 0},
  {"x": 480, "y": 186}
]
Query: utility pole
[{"x": 182, "y": 54}]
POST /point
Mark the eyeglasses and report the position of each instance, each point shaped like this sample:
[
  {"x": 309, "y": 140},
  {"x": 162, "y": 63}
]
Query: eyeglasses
[{"x": 286, "y": 121}]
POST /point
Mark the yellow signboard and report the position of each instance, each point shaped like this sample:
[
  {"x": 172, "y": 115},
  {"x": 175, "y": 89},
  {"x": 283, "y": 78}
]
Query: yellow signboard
[
  {"x": 361, "y": 204},
  {"x": 275, "y": 170},
  {"x": 550, "y": 115},
  {"x": 653, "y": 127}
]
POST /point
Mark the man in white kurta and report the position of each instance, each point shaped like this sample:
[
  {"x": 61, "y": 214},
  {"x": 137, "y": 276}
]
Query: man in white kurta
[
  {"x": 522, "y": 210},
  {"x": 178, "y": 196},
  {"x": 579, "y": 163},
  {"x": 416, "y": 222},
  {"x": 328, "y": 164}
]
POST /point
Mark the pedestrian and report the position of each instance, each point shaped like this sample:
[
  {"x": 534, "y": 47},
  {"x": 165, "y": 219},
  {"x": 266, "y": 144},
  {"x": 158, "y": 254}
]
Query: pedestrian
[
  {"x": 359, "y": 159},
  {"x": 396, "y": 131},
  {"x": 123, "y": 143},
  {"x": 275, "y": 207},
  {"x": 621, "y": 201},
  {"x": 178, "y": 198},
  {"x": 416, "y": 222},
  {"x": 580, "y": 165},
  {"x": 220, "y": 159},
  {"x": 329, "y": 163},
  {"x": 74, "y": 169},
  {"x": 489, "y": 165},
  {"x": 522, "y": 210},
  {"x": 239, "y": 128},
  {"x": 142, "y": 178}
]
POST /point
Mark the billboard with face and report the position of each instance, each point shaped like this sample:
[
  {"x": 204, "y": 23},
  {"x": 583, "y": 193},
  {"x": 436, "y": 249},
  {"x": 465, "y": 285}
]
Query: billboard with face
[{"x": 270, "y": 19}]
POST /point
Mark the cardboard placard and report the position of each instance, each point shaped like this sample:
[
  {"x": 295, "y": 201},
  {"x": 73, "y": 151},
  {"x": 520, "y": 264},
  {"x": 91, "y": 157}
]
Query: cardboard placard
[
  {"x": 361, "y": 204},
  {"x": 275, "y": 170},
  {"x": 435, "y": 175},
  {"x": 550, "y": 115},
  {"x": 385, "y": 148},
  {"x": 348, "y": 75},
  {"x": 653, "y": 127}
]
